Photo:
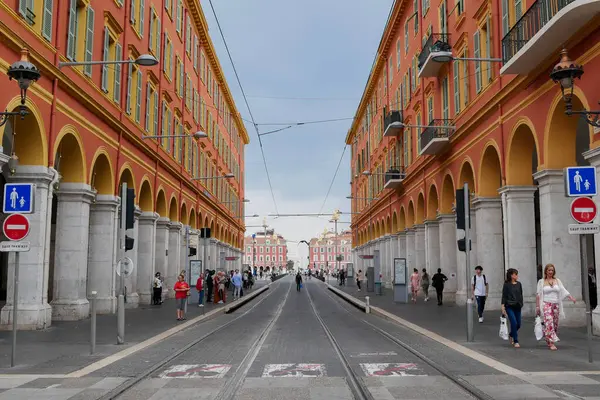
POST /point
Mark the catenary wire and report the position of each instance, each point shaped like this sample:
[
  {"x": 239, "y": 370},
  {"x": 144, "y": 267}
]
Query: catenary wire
[
  {"x": 333, "y": 180},
  {"x": 262, "y": 151}
]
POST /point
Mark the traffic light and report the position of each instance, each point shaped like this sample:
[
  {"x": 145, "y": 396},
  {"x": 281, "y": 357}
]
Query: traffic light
[
  {"x": 192, "y": 252},
  {"x": 130, "y": 209},
  {"x": 128, "y": 243},
  {"x": 462, "y": 246},
  {"x": 460, "y": 209}
]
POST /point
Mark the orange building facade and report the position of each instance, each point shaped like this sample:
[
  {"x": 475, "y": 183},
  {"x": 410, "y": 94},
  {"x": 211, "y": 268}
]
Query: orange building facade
[
  {"x": 460, "y": 93},
  {"x": 85, "y": 134}
]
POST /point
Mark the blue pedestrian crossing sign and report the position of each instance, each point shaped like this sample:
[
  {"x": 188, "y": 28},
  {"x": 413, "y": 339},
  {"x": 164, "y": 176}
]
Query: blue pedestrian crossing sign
[
  {"x": 580, "y": 181},
  {"x": 18, "y": 198}
]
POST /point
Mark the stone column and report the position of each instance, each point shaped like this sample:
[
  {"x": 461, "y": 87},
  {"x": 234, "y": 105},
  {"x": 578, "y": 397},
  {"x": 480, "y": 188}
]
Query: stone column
[
  {"x": 213, "y": 262},
  {"x": 432, "y": 260},
  {"x": 384, "y": 246},
  {"x": 401, "y": 244},
  {"x": 558, "y": 246},
  {"x": 410, "y": 250},
  {"x": 161, "y": 250},
  {"x": 183, "y": 252},
  {"x": 173, "y": 260},
  {"x": 461, "y": 275},
  {"x": 490, "y": 248},
  {"x": 133, "y": 298},
  {"x": 519, "y": 240},
  {"x": 593, "y": 156},
  {"x": 447, "y": 251},
  {"x": 419, "y": 247},
  {"x": 34, "y": 312},
  {"x": 394, "y": 253},
  {"x": 146, "y": 255},
  {"x": 71, "y": 252},
  {"x": 102, "y": 257}
]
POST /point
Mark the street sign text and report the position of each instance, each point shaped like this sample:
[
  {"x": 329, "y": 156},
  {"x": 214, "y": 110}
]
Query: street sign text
[{"x": 583, "y": 229}]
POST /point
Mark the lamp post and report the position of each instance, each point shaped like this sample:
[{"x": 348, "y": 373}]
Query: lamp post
[
  {"x": 335, "y": 218},
  {"x": 196, "y": 135},
  {"x": 144, "y": 60},
  {"x": 565, "y": 73}
]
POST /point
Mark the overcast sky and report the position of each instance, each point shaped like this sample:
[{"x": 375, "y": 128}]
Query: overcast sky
[{"x": 298, "y": 61}]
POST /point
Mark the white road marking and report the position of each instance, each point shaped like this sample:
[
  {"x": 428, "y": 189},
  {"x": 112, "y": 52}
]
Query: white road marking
[
  {"x": 567, "y": 394},
  {"x": 294, "y": 371},
  {"x": 387, "y": 353},
  {"x": 210, "y": 371},
  {"x": 392, "y": 369}
]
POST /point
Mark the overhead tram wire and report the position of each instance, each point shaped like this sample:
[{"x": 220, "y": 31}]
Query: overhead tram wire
[
  {"x": 333, "y": 180},
  {"x": 262, "y": 151}
]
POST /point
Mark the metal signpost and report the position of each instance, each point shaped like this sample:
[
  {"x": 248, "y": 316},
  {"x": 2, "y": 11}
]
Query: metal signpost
[
  {"x": 580, "y": 182},
  {"x": 15, "y": 228},
  {"x": 463, "y": 221}
]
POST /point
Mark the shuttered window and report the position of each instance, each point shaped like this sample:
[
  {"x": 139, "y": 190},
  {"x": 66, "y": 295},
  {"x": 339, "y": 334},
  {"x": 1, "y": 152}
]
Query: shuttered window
[
  {"x": 132, "y": 12},
  {"x": 505, "y": 17},
  {"x": 178, "y": 17},
  {"x": 47, "y": 19},
  {"x": 89, "y": 40},
  {"x": 72, "y": 31},
  {"x": 105, "y": 57},
  {"x": 456, "y": 88},
  {"x": 477, "y": 54},
  {"x": 117, "y": 88},
  {"x": 142, "y": 12},
  {"x": 129, "y": 84},
  {"x": 155, "y": 116},
  {"x": 138, "y": 97},
  {"x": 148, "y": 100},
  {"x": 445, "y": 99}
]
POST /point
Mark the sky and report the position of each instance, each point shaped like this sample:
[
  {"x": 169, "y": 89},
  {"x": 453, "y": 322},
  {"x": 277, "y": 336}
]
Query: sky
[{"x": 298, "y": 61}]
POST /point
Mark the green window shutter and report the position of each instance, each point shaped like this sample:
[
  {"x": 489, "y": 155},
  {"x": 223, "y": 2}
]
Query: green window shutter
[
  {"x": 178, "y": 17},
  {"x": 47, "y": 19},
  {"x": 169, "y": 139},
  {"x": 23, "y": 8},
  {"x": 477, "y": 54},
  {"x": 165, "y": 54},
  {"x": 71, "y": 42},
  {"x": 466, "y": 80},
  {"x": 195, "y": 52},
  {"x": 117, "y": 87},
  {"x": 155, "y": 113},
  {"x": 138, "y": 97},
  {"x": 488, "y": 46},
  {"x": 129, "y": 84},
  {"x": 456, "y": 87},
  {"x": 158, "y": 37},
  {"x": 181, "y": 78},
  {"x": 105, "y": 57},
  {"x": 151, "y": 30},
  {"x": 147, "y": 120},
  {"x": 505, "y": 21},
  {"x": 142, "y": 15},
  {"x": 163, "y": 141},
  {"x": 89, "y": 40},
  {"x": 518, "y": 10},
  {"x": 132, "y": 12}
]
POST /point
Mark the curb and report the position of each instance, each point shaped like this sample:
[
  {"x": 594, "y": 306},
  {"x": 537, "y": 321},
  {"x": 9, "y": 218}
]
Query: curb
[
  {"x": 350, "y": 299},
  {"x": 245, "y": 299}
]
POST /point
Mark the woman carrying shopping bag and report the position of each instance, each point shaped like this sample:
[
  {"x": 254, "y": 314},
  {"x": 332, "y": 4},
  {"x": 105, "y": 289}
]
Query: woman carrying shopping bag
[
  {"x": 550, "y": 294},
  {"x": 512, "y": 303}
]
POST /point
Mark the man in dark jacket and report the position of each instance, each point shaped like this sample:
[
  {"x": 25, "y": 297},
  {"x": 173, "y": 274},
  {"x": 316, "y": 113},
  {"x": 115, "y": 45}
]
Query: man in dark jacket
[
  {"x": 437, "y": 282},
  {"x": 298, "y": 281},
  {"x": 209, "y": 286}
]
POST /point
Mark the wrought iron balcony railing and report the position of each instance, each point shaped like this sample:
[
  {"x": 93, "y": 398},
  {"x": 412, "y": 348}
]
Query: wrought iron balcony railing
[
  {"x": 437, "y": 129},
  {"x": 538, "y": 15},
  {"x": 436, "y": 42},
  {"x": 395, "y": 173},
  {"x": 392, "y": 122}
]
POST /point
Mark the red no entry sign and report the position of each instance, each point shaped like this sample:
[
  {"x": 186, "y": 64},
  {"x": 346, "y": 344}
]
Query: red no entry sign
[
  {"x": 16, "y": 227},
  {"x": 583, "y": 210}
]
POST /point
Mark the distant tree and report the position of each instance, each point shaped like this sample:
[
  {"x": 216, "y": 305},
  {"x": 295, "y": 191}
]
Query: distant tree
[{"x": 289, "y": 265}]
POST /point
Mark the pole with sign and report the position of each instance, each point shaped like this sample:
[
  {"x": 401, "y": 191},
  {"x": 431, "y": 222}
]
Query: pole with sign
[
  {"x": 580, "y": 182},
  {"x": 15, "y": 228}
]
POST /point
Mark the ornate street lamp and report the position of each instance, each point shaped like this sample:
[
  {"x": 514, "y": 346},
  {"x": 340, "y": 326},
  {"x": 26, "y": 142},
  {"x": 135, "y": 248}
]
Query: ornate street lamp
[
  {"x": 24, "y": 73},
  {"x": 565, "y": 73}
]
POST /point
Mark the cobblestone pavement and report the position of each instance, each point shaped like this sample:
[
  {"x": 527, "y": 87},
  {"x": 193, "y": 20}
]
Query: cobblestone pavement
[{"x": 276, "y": 347}]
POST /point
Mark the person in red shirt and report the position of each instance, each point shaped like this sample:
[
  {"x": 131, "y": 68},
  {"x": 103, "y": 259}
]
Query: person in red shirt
[
  {"x": 200, "y": 289},
  {"x": 181, "y": 292}
]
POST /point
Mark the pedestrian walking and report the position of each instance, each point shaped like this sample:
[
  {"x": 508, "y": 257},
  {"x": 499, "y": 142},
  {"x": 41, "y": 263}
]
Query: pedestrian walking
[
  {"x": 209, "y": 286},
  {"x": 181, "y": 289},
  {"x": 512, "y": 303},
  {"x": 480, "y": 290},
  {"x": 593, "y": 288},
  {"x": 237, "y": 284},
  {"x": 359, "y": 278},
  {"x": 437, "y": 282},
  {"x": 425, "y": 284},
  {"x": 157, "y": 289},
  {"x": 549, "y": 298},
  {"x": 415, "y": 283},
  {"x": 298, "y": 281},
  {"x": 200, "y": 289}
]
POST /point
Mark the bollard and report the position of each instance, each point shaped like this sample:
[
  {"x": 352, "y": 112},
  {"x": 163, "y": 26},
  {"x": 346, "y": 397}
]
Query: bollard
[
  {"x": 368, "y": 307},
  {"x": 93, "y": 322},
  {"x": 121, "y": 319}
]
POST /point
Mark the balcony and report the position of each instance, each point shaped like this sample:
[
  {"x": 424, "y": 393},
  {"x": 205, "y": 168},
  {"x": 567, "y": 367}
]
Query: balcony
[
  {"x": 393, "y": 123},
  {"x": 394, "y": 177},
  {"x": 436, "y": 137},
  {"x": 542, "y": 30},
  {"x": 437, "y": 45}
]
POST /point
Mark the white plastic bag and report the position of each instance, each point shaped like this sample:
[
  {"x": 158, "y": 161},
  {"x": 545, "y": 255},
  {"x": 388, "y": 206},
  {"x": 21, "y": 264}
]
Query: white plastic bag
[
  {"x": 503, "y": 329},
  {"x": 538, "y": 330}
]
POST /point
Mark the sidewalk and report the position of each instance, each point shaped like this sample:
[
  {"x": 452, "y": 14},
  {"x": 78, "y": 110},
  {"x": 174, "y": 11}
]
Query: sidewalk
[
  {"x": 449, "y": 321},
  {"x": 65, "y": 346}
]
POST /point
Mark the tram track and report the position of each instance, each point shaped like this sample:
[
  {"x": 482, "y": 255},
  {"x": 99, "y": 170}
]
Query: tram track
[
  {"x": 462, "y": 383},
  {"x": 130, "y": 384}
]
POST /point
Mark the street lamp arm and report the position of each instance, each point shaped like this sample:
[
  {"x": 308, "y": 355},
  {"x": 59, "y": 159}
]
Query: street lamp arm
[
  {"x": 77, "y": 63},
  {"x": 477, "y": 59},
  {"x": 165, "y": 136}
]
